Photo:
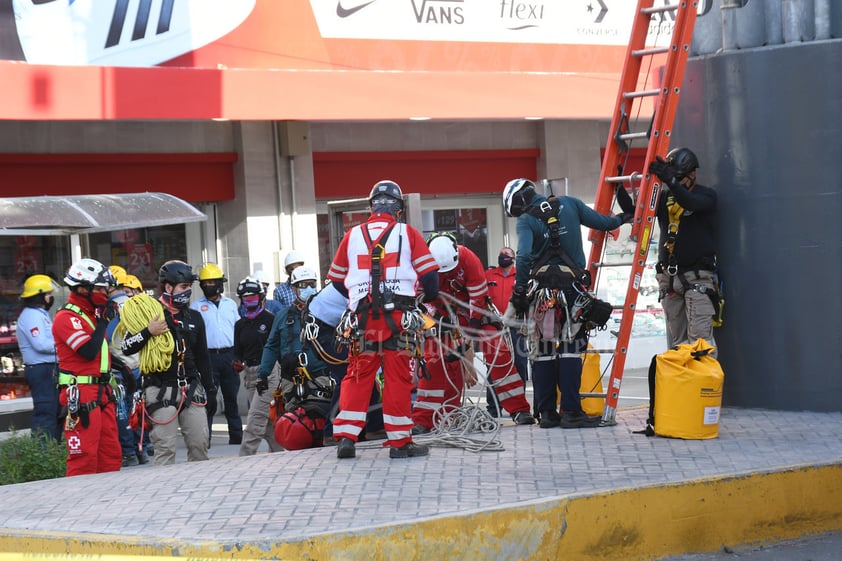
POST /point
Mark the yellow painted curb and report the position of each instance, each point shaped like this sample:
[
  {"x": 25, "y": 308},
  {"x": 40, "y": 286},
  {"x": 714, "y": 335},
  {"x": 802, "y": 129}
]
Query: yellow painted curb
[{"x": 627, "y": 524}]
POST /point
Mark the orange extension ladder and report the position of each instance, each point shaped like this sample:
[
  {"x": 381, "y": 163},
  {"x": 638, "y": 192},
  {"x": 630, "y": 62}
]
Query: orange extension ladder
[{"x": 657, "y": 138}]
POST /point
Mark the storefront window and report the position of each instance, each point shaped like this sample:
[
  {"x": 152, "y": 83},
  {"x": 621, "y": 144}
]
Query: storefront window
[
  {"x": 21, "y": 257},
  {"x": 141, "y": 251},
  {"x": 469, "y": 225}
]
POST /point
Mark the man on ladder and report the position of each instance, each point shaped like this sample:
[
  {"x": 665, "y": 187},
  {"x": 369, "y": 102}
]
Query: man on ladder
[{"x": 550, "y": 251}]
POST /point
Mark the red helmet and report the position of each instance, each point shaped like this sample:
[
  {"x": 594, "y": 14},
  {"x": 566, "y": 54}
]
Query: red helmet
[{"x": 295, "y": 430}]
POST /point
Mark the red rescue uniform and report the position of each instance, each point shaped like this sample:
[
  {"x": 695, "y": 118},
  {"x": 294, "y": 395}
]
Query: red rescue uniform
[{"x": 94, "y": 448}]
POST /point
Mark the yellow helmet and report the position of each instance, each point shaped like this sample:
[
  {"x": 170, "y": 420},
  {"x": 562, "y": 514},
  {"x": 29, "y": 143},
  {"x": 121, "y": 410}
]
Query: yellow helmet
[
  {"x": 211, "y": 271},
  {"x": 133, "y": 282},
  {"x": 37, "y": 284},
  {"x": 119, "y": 274}
]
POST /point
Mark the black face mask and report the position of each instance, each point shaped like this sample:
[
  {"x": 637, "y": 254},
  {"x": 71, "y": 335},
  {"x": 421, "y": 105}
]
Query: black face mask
[
  {"x": 212, "y": 290},
  {"x": 49, "y": 299},
  {"x": 505, "y": 260}
]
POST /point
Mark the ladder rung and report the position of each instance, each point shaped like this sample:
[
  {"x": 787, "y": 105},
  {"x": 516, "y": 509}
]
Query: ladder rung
[
  {"x": 599, "y": 351},
  {"x": 591, "y": 394},
  {"x": 633, "y": 135},
  {"x": 659, "y": 9},
  {"x": 620, "y": 264},
  {"x": 650, "y": 52},
  {"x": 643, "y": 93},
  {"x": 636, "y": 176}
]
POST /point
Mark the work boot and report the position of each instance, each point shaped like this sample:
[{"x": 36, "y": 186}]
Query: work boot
[
  {"x": 419, "y": 429},
  {"x": 346, "y": 448},
  {"x": 523, "y": 418},
  {"x": 143, "y": 458},
  {"x": 409, "y": 450},
  {"x": 578, "y": 420},
  {"x": 130, "y": 460},
  {"x": 549, "y": 419}
]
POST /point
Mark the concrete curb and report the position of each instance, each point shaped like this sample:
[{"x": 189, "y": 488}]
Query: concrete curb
[{"x": 626, "y": 524}]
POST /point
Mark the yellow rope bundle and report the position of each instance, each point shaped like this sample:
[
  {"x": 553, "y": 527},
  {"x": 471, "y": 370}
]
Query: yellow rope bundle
[{"x": 135, "y": 315}]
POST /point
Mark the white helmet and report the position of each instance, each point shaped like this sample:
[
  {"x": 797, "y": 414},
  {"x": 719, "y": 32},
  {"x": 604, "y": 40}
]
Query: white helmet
[
  {"x": 293, "y": 257},
  {"x": 516, "y": 196},
  {"x": 261, "y": 276},
  {"x": 445, "y": 250},
  {"x": 88, "y": 272},
  {"x": 302, "y": 273}
]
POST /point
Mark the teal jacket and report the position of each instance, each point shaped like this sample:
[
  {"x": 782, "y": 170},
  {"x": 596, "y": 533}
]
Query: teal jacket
[
  {"x": 284, "y": 339},
  {"x": 533, "y": 235}
]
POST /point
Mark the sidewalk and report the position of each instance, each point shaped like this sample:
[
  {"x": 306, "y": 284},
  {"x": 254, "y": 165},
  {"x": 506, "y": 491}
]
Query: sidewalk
[{"x": 550, "y": 494}]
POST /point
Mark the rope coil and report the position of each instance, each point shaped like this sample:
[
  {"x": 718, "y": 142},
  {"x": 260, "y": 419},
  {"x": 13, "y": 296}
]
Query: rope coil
[{"x": 135, "y": 316}]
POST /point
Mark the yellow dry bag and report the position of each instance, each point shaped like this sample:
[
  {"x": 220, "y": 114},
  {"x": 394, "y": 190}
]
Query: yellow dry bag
[{"x": 688, "y": 386}]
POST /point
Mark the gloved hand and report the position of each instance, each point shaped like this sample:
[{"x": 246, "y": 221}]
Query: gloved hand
[
  {"x": 289, "y": 364},
  {"x": 262, "y": 384},
  {"x": 624, "y": 199},
  {"x": 238, "y": 365},
  {"x": 663, "y": 170},
  {"x": 519, "y": 300},
  {"x": 626, "y": 217},
  {"x": 475, "y": 323}
]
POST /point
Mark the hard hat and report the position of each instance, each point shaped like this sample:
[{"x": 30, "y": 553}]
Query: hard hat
[
  {"x": 211, "y": 271},
  {"x": 445, "y": 250},
  {"x": 175, "y": 272},
  {"x": 386, "y": 196},
  {"x": 133, "y": 282},
  {"x": 120, "y": 275},
  {"x": 88, "y": 272},
  {"x": 301, "y": 274},
  {"x": 260, "y": 276},
  {"x": 294, "y": 430},
  {"x": 516, "y": 196},
  {"x": 250, "y": 285},
  {"x": 682, "y": 160},
  {"x": 292, "y": 258},
  {"x": 37, "y": 284}
]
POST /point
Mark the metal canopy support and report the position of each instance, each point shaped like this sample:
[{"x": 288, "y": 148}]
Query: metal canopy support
[{"x": 335, "y": 210}]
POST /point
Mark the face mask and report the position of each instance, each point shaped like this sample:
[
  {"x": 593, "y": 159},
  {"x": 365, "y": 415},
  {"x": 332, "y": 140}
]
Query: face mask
[
  {"x": 48, "y": 301},
  {"x": 305, "y": 293},
  {"x": 180, "y": 300},
  {"x": 505, "y": 260},
  {"x": 98, "y": 299},
  {"x": 251, "y": 302},
  {"x": 212, "y": 290}
]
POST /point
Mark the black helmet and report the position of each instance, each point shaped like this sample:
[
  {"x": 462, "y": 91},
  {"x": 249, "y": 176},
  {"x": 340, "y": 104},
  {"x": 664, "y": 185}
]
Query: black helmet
[
  {"x": 517, "y": 195},
  {"x": 386, "y": 196},
  {"x": 682, "y": 160},
  {"x": 250, "y": 285},
  {"x": 174, "y": 272}
]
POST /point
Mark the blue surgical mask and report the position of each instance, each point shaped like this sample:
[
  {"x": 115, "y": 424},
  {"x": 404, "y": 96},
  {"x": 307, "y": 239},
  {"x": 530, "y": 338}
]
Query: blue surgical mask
[
  {"x": 305, "y": 293},
  {"x": 180, "y": 300}
]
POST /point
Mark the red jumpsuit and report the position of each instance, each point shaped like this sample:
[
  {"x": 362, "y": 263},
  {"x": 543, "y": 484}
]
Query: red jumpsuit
[
  {"x": 406, "y": 259},
  {"x": 95, "y": 448},
  {"x": 443, "y": 388}
]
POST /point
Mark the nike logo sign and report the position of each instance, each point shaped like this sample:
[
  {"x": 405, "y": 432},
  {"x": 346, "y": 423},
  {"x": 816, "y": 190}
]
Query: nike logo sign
[{"x": 345, "y": 12}]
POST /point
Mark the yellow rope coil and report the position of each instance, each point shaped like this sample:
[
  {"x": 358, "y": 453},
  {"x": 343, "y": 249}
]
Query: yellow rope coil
[{"x": 135, "y": 315}]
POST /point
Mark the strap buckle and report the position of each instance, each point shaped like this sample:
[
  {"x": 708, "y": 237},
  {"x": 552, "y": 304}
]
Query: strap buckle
[{"x": 672, "y": 270}]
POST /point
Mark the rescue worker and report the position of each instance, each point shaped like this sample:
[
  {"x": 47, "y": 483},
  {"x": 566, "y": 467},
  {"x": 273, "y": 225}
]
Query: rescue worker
[
  {"x": 178, "y": 389},
  {"x": 220, "y": 314},
  {"x": 84, "y": 364},
  {"x": 304, "y": 379},
  {"x": 250, "y": 334},
  {"x": 378, "y": 265},
  {"x": 34, "y": 331},
  {"x": 686, "y": 271},
  {"x": 501, "y": 282},
  {"x": 550, "y": 251},
  {"x": 461, "y": 275},
  {"x": 272, "y": 305},
  {"x": 283, "y": 292}
]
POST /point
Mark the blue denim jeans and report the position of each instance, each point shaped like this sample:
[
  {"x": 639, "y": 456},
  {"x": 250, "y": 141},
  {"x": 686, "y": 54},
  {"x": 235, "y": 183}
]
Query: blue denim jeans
[{"x": 45, "y": 407}]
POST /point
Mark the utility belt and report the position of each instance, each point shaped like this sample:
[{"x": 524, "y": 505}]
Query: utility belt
[
  {"x": 408, "y": 336},
  {"x": 703, "y": 264},
  {"x": 176, "y": 385}
]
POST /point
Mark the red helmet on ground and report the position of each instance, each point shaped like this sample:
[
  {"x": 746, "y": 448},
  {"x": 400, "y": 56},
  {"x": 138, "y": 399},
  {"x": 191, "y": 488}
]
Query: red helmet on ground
[{"x": 294, "y": 430}]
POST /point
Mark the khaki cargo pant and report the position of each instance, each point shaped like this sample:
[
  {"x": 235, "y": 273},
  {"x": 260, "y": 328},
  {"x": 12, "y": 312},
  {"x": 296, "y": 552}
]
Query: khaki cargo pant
[
  {"x": 258, "y": 427},
  {"x": 689, "y": 313},
  {"x": 192, "y": 420}
]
